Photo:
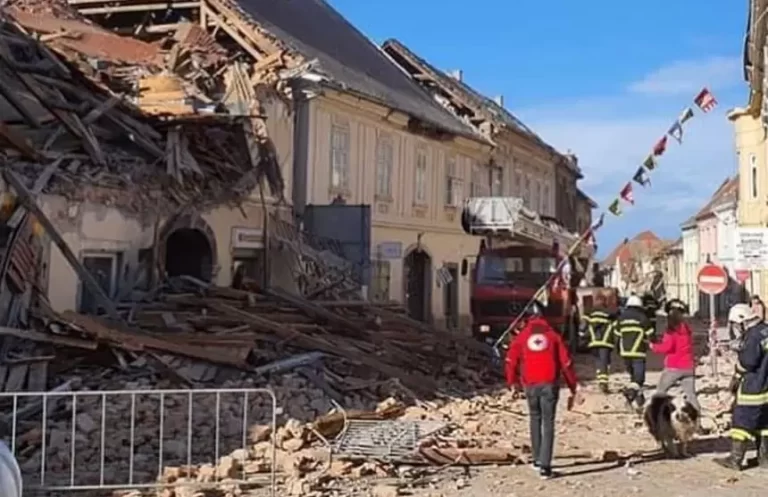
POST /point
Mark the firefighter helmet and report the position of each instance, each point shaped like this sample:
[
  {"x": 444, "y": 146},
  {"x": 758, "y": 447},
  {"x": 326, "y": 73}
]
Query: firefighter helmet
[
  {"x": 741, "y": 313},
  {"x": 634, "y": 301}
]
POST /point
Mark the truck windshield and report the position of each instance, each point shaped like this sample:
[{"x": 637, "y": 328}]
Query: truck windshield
[{"x": 510, "y": 270}]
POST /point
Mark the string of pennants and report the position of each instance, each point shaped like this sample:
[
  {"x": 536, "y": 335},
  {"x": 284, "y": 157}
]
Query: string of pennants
[{"x": 706, "y": 102}]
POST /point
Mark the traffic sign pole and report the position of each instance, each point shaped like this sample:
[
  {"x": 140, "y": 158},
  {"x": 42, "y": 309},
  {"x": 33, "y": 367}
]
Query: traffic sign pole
[{"x": 712, "y": 280}]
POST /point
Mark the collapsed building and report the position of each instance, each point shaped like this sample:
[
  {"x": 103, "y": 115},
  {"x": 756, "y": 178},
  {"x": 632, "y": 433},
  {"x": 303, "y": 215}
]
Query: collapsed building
[{"x": 138, "y": 176}]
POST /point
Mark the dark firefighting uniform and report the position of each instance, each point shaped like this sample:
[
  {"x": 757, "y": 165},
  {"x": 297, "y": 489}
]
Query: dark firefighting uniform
[
  {"x": 750, "y": 413},
  {"x": 633, "y": 330},
  {"x": 650, "y": 306},
  {"x": 597, "y": 332}
]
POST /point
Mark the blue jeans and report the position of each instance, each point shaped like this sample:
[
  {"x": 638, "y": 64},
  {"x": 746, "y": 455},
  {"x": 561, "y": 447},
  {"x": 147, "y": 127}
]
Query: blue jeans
[{"x": 542, "y": 405}]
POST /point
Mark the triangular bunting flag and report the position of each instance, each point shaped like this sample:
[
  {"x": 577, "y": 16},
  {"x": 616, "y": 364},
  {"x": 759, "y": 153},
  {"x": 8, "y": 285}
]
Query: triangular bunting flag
[
  {"x": 615, "y": 208},
  {"x": 650, "y": 162},
  {"x": 705, "y": 100},
  {"x": 598, "y": 224},
  {"x": 660, "y": 147},
  {"x": 626, "y": 194},
  {"x": 686, "y": 115},
  {"x": 641, "y": 177},
  {"x": 676, "y": 132}
]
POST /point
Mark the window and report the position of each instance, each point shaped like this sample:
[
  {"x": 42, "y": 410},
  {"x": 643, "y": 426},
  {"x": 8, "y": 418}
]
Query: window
[
  {"x": 517, "y": 184},
  {"x": 497, "y": 181},
  {"x": 493, "y": 268},
  {"x": 543, "y": 265},
  {"x": 546, "y": 210},
  {"x": 385, "y": 155},
  {"x": 339, "y": 157},
  {"x": 452, "y": 182},
  {"x": 527, "y": 192},
  {"x": 480, "y": 181},
  {"x": 535, "y": 195},
  {"x": 420, "y": 179},
  {"x": 104, "y": 267},
  {"x": 380, "y": 277},
  {"x": 753, "y": 175}
]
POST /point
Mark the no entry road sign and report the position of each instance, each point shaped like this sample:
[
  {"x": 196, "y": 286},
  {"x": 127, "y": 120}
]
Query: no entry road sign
[
  {"x": 712, "y": 279},
  {"x": 742, "y": 275}
]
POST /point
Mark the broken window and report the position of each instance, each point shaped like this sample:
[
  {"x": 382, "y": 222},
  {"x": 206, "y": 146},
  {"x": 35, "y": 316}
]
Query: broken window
[
  {"x": 380, "y": 277},
  {"x": 453, "y": 184},
  {"x": 105, "y": 268},
  {"x": 420, "y": 179},
  {"x": 385, "y": 156},
  {"x": 339, "y": 157}
]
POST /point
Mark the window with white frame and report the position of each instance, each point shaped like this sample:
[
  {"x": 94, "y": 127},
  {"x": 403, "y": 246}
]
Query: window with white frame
[
  {"x": 385, "y": 156},
  {"x": 339, "y": 157},
  {"x": 753, "y": 175},
  {"x": 536, "y": 195},
  {"x": 497, "y": 181},
  {"x": 480, "y": 181},
  {"x": 527, "y": 191},
  {"x": 453, "y": 184},
  {"x": 420, "y": 177},
  {"x": 517, "y": 184}
]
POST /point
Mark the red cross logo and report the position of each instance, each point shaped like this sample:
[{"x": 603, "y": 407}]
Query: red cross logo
[{"x": 537, "y": 342}]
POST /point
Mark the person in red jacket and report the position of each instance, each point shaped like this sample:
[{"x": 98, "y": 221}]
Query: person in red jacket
[
  {"x": 536, "y": 359},
  {"x": 679, "y": 364}
]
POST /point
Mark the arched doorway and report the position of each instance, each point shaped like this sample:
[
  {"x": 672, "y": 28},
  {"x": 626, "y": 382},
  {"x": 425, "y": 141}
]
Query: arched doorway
[
  {"x": 188, "y": 252},
  {"x": 417, "y": 268}
]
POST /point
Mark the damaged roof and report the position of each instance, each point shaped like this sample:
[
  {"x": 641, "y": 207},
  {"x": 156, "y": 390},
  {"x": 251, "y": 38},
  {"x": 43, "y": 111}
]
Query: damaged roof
[
  {"x": 68, "y": 132},
  {"x": 486, "y": 107},
  {"x": 349, "y": 59}
]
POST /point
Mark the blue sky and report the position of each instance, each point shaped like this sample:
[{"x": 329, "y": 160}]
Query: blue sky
[{"x": 603, "y": 78}]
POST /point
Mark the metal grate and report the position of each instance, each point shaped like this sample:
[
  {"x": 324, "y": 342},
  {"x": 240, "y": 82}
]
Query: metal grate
[{"x": 388, "y": 439}]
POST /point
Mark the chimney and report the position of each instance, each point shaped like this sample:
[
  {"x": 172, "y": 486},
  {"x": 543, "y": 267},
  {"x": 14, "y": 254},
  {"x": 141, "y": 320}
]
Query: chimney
[
  {"x": 457, "y": 74},
  {"x": 499, "y": 99}
]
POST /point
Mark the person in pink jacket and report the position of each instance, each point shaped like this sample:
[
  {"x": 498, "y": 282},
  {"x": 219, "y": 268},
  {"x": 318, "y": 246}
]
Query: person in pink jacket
[{"x": 679, "y": 364}]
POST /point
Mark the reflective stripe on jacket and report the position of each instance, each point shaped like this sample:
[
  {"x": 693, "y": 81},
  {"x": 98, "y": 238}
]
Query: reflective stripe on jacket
[
  {"x": 598, "y": 329},
  {"x": 633, "y": 330},
  {"x": 753, "y": 366}
]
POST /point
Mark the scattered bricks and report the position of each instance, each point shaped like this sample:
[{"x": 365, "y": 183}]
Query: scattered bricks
[
  {"x": 227, "y": 467},
  {"x": 259, "y": 433},
  {"x": 293, "y": 444},
  {"x": 385, "y": 491}
]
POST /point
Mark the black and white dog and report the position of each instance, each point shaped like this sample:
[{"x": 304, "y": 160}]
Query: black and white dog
[{"x": 670, "y": 421}]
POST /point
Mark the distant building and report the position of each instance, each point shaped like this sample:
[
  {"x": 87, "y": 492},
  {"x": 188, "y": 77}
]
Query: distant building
[{"x": 631, "y": 266}]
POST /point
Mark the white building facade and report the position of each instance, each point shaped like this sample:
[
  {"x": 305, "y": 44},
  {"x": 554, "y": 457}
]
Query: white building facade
[{"x": 689, "y": 290}]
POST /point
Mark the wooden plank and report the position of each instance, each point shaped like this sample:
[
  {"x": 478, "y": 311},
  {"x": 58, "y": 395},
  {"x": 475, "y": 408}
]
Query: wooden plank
[
  {"x": 135, "y": 341},
  {"x": 86, "y": 277},
  {"x": 16, "y": 378},
  {"x": 36, "y": 336},
  {"x": 38, "y": 377}
]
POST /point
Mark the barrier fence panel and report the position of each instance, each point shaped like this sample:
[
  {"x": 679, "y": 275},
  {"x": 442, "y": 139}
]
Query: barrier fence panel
[{"x": 140, "y": 439}]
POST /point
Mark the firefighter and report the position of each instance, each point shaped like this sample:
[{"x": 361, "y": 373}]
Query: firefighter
[
  {"x": 749, "y": 419},
  {"x": 633, "y": 330},
  {"x": 596, "y": 331},
  {"x": 650, "y": 305}
]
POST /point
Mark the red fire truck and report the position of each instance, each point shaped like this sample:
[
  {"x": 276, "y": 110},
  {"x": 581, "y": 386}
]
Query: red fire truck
[{"x": 518, "y": 254}]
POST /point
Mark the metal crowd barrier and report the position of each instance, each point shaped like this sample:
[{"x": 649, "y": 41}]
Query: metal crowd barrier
[{"x": 120, "y": 440}]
